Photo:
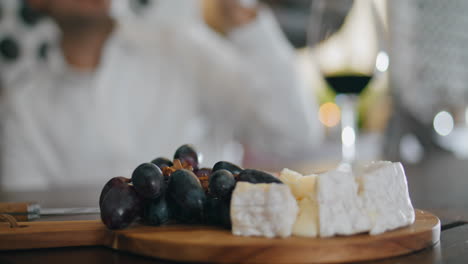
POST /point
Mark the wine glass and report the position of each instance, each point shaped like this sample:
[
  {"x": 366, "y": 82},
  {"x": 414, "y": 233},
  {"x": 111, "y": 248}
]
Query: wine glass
[{"x": 344, "y": 36}]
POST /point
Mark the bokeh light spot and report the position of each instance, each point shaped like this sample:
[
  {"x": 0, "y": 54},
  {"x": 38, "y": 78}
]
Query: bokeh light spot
[
  {"x": 329, "y": 114},
  {"x": 443, "y": 123},
  {"x": 348, "y": 136},
  {"x": 382, "y": 62}
]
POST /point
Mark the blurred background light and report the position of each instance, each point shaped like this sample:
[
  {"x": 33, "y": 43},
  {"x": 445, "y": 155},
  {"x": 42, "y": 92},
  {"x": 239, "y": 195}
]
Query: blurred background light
[
  {"x": 348, "y": 136},
  {"x": 382, "y": 61},
  {"x": 443, "y": 123},
  {"x": 411, "y": 150},
  {"x": 329, "y": 114}
]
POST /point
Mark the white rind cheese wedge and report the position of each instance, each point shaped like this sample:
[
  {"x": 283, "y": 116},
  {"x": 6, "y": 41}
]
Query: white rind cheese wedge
[
  {"x": 268, "y": 210},
  {"x": 341, "y": 211},
  {"x": 371, "y": 198},
  {"x": 384, "y": 192}
]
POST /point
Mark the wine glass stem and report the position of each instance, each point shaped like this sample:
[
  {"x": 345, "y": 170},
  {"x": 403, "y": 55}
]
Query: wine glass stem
[{"x": 348, "y": 104}]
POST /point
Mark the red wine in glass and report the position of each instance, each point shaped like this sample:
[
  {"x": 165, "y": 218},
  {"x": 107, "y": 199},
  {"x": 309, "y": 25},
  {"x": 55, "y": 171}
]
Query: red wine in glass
[
  {"x": 348, "y": 83},
  {"x": 345, "y": 37}
]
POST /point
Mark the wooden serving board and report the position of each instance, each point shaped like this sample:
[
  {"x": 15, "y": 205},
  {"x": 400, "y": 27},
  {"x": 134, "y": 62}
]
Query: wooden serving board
[{"x": 209, "y": 244}]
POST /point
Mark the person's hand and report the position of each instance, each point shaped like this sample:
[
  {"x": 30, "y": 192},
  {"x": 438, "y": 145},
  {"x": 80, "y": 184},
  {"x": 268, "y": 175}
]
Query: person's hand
[{"x": 236, "y": 13}]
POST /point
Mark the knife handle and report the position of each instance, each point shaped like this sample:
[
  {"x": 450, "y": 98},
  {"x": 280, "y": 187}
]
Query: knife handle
[{"x": 21, "y": 211}]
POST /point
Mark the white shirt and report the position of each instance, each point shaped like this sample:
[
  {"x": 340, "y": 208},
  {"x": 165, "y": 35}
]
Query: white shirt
[{"x": 155, "y": 89}]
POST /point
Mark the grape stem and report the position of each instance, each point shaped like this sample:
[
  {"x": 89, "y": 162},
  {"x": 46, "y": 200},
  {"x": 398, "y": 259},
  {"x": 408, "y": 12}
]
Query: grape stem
[{"x": 177, "y": 166}]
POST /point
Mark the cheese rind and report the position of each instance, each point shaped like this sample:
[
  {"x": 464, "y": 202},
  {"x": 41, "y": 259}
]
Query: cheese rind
[
  {"x": 268, "y": 210},
  {"x": 341, "y": 212},
  {"x": 384, "y": 192}
]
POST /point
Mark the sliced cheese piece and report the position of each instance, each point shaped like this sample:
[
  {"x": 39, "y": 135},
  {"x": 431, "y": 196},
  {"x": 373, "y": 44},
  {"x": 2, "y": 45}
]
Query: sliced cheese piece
[
  {"x": 301, "y": 186},
  {"x": 268, "y": 210},
  {"x": 341, "y": 211},
  {"x": 290, "y": 178},
  {"x": 306, "y": 187},
  {"x": 371, "y": 198},
  {"x": 307, "y": 222},
  {"x": 384, "y": 192},
  {"x": 304, "y": 190}
]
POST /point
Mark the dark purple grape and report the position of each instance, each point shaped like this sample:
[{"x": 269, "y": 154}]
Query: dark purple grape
[
  {"x": 225, "y": 165},
  {"x": 148, "y": 181},
  {"x": 187, "y": 153},
  {"x": 221, "y": 184},
  {"x": 256, "y": 176},
  {"x": 120, "y": 206},
  {"x": 186, "y": 196},
  {"x": 162, "y": 162},
  {"x": 117, "y": 181},
  {"x": 156, "y": 212},
  {"x": 217, "y": 212}
]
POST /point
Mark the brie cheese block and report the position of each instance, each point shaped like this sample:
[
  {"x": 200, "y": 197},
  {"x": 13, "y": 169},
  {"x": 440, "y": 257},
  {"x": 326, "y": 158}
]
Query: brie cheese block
[
  {"x": 384, "y": 193},
  {"x": 341, "y": 211},
  {"x": 371, "y": 198},
  {"x": 268, "y": 210}
]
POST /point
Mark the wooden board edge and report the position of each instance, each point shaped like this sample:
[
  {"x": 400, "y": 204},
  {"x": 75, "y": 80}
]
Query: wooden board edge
[
  {"x": 39, "y": 235},
  {"x": 94, "y": 233},
  {"x": 419, "y": 241}
]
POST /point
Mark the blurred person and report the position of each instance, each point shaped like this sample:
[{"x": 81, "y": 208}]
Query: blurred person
[{"x": 119, "y": 92}]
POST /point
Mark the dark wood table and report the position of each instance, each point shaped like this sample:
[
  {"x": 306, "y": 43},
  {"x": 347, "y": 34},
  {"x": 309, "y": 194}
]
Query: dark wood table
[{"x": 438, "y": 185}]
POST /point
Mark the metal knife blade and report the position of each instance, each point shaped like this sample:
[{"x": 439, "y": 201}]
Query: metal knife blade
[
  {"x": 31, "y": 210},
  {"x": 69, "y": 211}
]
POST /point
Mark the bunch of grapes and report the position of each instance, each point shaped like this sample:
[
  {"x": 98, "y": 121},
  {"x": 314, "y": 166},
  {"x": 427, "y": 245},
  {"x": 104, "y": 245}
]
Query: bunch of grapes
[{"x": 163, "y": 190}]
